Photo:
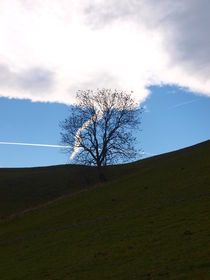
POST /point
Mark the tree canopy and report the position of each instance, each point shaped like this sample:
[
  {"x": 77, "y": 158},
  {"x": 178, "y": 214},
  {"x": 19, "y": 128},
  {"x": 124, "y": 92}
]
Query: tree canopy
[{"x": 100, "y": 127}]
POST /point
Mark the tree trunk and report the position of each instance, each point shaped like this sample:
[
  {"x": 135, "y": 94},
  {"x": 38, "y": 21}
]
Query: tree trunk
[{"x": 101, "y": 175}]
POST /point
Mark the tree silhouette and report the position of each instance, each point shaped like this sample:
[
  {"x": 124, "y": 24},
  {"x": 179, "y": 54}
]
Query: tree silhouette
[{"x": 100, "y": 127}]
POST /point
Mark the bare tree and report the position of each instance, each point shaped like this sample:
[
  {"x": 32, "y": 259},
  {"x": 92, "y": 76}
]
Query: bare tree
[{"x": 100, "y": 126}]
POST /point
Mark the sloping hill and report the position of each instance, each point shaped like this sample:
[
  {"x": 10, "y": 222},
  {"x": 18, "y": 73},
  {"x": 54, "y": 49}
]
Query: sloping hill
[
  {"x": 151, "y": 223},
  {"x": 23, "y": 188}
]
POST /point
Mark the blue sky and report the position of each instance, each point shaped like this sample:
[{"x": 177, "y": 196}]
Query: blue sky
[
  {"x": 173, "y": 119},
  {"x": 50, "y": 49},
  {"x": 176, "y": 118}
]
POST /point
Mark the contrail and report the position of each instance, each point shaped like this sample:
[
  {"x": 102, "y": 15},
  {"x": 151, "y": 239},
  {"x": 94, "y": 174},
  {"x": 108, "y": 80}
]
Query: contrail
[
  {"x": 85, "y": 125},
  {"x": 149, "y": 154},
  {"x": 35, "y": 145},
  {"x": 184, "y": 103},
  {"x": 78, "y": 138}
]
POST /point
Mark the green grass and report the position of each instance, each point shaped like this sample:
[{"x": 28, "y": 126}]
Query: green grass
[
  {"x": 25, "y": 188},
  {"x": 149, "y": 221}
]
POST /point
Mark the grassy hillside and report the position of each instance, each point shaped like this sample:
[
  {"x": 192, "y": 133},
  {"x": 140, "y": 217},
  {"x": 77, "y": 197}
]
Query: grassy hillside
[
  {"x": 152, "y": 222},
  {"x": 23, "y": 188}
]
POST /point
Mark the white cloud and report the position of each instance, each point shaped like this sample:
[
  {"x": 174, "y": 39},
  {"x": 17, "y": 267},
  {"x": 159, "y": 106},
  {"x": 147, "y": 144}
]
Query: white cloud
[
  {"x": 34, "y": 80},
  {"x": 49, "y": 48}
]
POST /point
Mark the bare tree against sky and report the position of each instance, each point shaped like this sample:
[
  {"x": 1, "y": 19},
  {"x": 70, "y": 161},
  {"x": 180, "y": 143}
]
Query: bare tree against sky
[{"x": 101, "y": 127}]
